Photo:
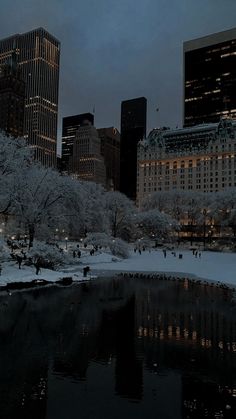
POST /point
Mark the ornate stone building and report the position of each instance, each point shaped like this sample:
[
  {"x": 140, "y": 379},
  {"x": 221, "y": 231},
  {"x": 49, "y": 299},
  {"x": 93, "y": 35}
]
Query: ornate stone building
[{"x": 200, "y": 158}]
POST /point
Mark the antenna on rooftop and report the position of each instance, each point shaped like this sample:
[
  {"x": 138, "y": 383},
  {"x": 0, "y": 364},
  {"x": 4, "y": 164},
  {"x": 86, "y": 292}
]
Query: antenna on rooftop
[{"x": 157, "y": 110}]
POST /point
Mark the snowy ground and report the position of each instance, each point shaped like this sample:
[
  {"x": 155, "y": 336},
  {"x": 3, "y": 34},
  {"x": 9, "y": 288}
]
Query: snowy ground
[{"x": 211, "y": 265}]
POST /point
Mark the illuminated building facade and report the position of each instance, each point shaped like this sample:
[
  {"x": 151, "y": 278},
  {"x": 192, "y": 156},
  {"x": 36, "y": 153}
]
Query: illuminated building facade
[
  {"x": 37, "y": 54},
  {"x": 133, "y": 129},
  {"x": 200, "y": 158},
  {"x": 70, "y": 124},
  {"x": 210, "y": 78},
  {"x": 87, "y": 162},
  {"x": 110, "y": 150},
  {"x": 12, "y": 100}
]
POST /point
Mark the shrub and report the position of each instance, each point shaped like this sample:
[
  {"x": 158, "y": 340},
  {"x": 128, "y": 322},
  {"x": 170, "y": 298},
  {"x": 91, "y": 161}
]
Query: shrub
[
  {"x": 119, "y": 248},
  {"x": 49, "y": 256}
]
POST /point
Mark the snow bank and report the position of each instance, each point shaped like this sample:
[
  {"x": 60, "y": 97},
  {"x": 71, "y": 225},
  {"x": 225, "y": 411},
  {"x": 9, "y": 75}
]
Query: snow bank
[{"x": 211, "y": 265}]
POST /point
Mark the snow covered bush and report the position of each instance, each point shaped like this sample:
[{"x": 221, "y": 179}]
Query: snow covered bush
[
  {"x": 119, "y": 248},
  {"x": 98, "y": 239},
  {"x": 49, "y": 256}
]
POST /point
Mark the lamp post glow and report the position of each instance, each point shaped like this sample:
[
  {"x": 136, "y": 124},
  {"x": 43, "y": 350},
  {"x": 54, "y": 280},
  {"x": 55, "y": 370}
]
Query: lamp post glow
[{"x": 66, "y": 239}]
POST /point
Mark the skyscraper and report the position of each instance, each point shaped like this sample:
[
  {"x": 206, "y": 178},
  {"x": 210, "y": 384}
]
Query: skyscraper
[
  {"x": 87, "y": 163},
  {"x": 37, "y": 54},
  {"x": 70, "y": 125},
  {"x": 133, "y": 129},
  {"x": 210, "y": 78},
  {"x": 110, "y": 150},
  {"x": 12, "y": 100}
]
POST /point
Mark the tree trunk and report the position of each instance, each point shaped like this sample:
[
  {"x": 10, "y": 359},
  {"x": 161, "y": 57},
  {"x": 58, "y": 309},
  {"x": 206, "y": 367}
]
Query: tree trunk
[{"x": 31, "y": 235}]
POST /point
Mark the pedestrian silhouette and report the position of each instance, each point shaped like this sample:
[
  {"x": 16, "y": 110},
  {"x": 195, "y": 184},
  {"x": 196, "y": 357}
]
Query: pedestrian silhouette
[
  {"x": 19, "y": 260},
  {"x": 37, "y": 266}
]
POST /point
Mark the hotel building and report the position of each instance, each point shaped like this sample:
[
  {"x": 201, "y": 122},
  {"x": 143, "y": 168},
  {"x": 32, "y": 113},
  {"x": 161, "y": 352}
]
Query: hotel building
[{"x": 200, "y": 158}]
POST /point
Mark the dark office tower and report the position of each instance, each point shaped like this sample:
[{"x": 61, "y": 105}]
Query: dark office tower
[
  {"x": 70, "y": 125},
  {"x": 37, "y": 54},
  {"x": 110, "y": 150},
  {"x": 12, "y": 99},
  {"x": 133, "y": 129},
  {"x": 210, "y": 78}
]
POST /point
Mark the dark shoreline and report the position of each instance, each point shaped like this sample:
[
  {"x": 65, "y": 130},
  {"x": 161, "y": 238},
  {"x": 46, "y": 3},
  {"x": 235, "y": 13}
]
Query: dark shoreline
[{"x": 167, "y": 276}]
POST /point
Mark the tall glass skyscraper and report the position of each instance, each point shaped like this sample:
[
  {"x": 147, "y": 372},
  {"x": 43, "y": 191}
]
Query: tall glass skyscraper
[
  {"x": 37, "y": 54},
  {"x": 70, "y": 125},
  {"x": 210, "y": 78},
  {"x": 133, "y": 129}
]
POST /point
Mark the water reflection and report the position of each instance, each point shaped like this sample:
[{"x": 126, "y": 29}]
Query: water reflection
[{"x": 119, "y": 347}]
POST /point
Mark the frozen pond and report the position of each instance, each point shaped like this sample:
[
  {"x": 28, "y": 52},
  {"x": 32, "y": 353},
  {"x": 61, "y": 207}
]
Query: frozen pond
[{"x": 118, "y": 348}]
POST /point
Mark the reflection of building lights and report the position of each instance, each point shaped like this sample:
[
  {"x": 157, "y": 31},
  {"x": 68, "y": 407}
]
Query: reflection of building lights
[
  {"x": 177, "y": 333},
  {"x": 169, "y": 331}
]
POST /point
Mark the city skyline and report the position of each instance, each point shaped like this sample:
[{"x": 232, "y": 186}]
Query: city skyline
[{"x": 106, "y": 58}]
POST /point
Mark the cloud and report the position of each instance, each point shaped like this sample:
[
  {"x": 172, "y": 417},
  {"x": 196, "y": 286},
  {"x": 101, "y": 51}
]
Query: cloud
[{"x": 113, "y": 50}]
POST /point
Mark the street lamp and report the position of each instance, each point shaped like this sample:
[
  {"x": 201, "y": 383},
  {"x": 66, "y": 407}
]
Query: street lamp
[
  {"x": 66, "y": 239},
  {"x": 56, "y": 233}
]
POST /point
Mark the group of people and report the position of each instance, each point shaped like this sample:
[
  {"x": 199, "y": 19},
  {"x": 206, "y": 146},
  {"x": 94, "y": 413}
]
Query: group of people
[
  {"x": 139, "y": 249},
  {"x": 19, "y": 257}
]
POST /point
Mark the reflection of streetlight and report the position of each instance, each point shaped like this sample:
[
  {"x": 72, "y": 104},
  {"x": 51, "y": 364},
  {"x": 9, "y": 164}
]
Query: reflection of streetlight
[{"x": 66, "y": 239}]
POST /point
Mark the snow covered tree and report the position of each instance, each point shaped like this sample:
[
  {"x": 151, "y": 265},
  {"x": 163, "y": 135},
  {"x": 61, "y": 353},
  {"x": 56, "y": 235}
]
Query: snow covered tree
[
  {"x": 158, "y": 200},
  {"x": 155, "y": 224},
  {"x": 119, "y": 211},
  {"x": 92, "y": 197},
  {"x": 43, "y": 199},
  {"x": 222, "y": 208},
  {"x": 14, "y": 156}
]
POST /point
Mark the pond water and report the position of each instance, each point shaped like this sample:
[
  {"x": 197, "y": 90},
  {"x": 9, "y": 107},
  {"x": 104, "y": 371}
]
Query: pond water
[{"x": 118, "y": 348}]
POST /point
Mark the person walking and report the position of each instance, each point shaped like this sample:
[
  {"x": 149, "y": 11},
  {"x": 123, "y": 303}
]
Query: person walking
[
  {"x": 19, "y": 260},
  {"x": 37, "y": 266}
]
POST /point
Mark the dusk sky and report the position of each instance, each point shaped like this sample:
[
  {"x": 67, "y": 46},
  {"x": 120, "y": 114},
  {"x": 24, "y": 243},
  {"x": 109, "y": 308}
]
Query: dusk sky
[{"x": 112, "y": 50}]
